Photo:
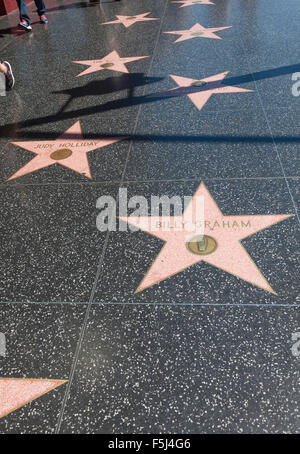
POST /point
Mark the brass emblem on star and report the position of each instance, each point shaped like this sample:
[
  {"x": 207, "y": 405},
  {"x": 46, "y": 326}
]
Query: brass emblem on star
[
  {"x": 198, "y": 83},
  {"x": 62, "y": 153},
  {"x": 202, "y": 245},
  {"x": 107, "y": 65},
  {"x": 197, "y": 34}
]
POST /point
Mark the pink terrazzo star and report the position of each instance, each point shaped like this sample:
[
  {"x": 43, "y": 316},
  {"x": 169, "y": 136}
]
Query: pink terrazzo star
[
  {"x": 193, "y": 2},
  {"x": 17, "y": 392},
  {"x": 222, "y": 234},
  {"x": 127, "y": 21},
  {"x": 197, "y": 31},
  {"x": 199, "y": 91},
  {"x": 112, "y": 61},
  {"x": 70, "y": 150}
]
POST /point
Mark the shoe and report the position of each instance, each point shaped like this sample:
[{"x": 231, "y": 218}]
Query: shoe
[
  {"x": 9, "y": 77},
  {"x": 24, "y": 25},
  {"x": 43, "y": 19}
]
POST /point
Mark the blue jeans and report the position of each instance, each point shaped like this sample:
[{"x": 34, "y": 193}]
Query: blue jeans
[{"x": 24, "y": 12}]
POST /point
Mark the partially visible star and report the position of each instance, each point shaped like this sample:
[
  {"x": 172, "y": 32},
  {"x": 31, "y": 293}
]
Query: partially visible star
[
  {"x": 200, "y": 90},
  {"x": 112, "y": 61},
  {"x": 17, "y": 392},
  {"x": 127, "y": 21},
  {"x": 70, "y": 150},
  {"x": 221, "y": 248},
  {"x": 197, "y": 31},
  {"x": 193, "y": 2}
]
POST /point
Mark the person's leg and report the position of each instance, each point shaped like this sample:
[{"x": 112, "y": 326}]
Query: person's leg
[
  {"x": 5, "y": 68},
  {"x": 23, "y": 11},
  {"x": 40, "y": 7}
]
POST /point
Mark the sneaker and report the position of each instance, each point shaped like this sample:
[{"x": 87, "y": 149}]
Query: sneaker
[
  {"x": 43, "y": 19},
  {"x": 9, "y": 77},
  {"x": 24, "y": 25}
]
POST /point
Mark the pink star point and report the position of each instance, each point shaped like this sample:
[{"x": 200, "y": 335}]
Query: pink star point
[
  {"x": 17, "y": 392},
  {"x": 197, "y": 31},
  {"x": 200, "y": 95},
  {"x": 226, "y": 231},
  {"x": 127, "y": 21},
  {"x": 112, "y": 62},
  {"x": 70, "y": 150}
]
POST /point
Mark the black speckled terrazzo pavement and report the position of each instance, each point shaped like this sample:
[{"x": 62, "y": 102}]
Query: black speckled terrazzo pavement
[{"x": 123, "y": 332}]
